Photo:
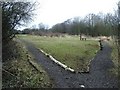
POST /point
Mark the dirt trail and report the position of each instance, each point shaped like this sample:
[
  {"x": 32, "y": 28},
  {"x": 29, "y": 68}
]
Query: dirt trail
[{"x": 98, "y": 77}]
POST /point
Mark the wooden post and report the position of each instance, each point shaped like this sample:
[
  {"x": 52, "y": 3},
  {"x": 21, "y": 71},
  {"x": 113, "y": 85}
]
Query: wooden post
[
  {"x": 80, "y": 36},
  {"x": 101, "y": 46}
]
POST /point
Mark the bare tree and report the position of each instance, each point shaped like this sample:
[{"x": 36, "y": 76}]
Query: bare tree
[{"x": 15, "y": 14}]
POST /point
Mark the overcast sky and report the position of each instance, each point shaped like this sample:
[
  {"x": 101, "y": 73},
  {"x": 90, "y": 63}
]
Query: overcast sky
[{"x": 51, "y": 12}]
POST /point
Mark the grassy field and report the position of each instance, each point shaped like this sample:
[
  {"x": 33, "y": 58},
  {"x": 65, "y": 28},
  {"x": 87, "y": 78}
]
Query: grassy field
[
  {"x": 68, "y": 50},
  {"x": 18, "y": 72}
]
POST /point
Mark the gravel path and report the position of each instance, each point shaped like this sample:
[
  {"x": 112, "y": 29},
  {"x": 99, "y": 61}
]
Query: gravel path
[{"x": 98, "y": 77}]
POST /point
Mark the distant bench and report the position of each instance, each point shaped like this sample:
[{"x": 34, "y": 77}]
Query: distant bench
[{"x": 84, "y": 38}]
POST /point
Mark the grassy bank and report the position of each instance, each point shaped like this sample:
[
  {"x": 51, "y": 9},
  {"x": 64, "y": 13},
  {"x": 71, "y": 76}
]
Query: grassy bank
[
  {"x": 68, "y": 50},
  {"x": 114, "y": 56},
  {"x": 18, "y": 72}
]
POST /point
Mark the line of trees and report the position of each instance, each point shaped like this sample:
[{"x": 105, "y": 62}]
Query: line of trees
[{"x": 93, "y": 25}]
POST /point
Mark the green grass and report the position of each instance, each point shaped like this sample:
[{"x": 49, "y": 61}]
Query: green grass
[
  {"x": 68, "y": 50},
  {"x": 25, "y": 75},
  {"x": 114, "y": 56}
]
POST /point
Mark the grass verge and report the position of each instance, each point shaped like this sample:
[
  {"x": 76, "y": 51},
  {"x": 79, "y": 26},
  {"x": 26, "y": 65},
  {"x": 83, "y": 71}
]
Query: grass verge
[
  {"x": 114, "y": 56},
  {"x": 18, "y": 71},
  {"x": 68, "y": 50}
]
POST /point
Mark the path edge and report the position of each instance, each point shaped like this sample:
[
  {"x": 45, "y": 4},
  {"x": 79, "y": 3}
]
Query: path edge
[
  {"x": 58, "y": 62},
  {"x": 65, "y": 66}
]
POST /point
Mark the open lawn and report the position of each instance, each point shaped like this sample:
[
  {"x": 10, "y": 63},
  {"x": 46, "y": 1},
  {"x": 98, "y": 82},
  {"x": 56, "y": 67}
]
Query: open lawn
[{"x": 68, "y": 50}]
